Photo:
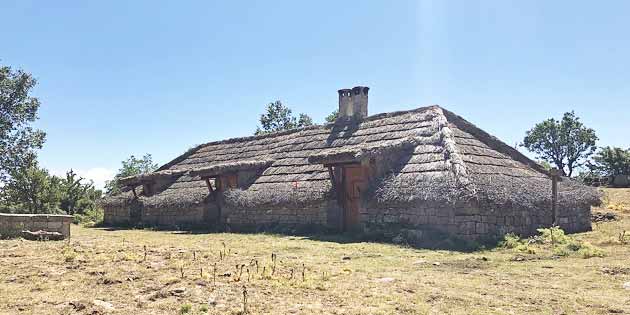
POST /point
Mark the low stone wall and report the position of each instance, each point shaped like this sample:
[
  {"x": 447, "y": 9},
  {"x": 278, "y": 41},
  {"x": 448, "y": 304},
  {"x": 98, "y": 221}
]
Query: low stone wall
[
  {"x": 173, "y": 216},
  {"x": 11, "y": 225},
  {"x": 198, "y": 215},
  {"x": 474, "y": 222},
  {"x": 297, "y": 215},
  {"x": 466, "y": 221},
  {"x": 117, "y": 215}
]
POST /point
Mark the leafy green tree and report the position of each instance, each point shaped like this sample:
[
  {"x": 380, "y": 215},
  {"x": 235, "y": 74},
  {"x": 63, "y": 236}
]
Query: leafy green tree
[
  {"x": 32, "y": 190},
  {"x": 130, "y": 167},
  {"x": 545, "y": 165},
  {"x": 564, "y": 143},
  {"x": 611, "y": 161},
  {"x": 18, "y": 140},
  {"x": 279, "y": 117},
  {"x": 78, "y": 198},
  {"x": 332, "y": 117}
]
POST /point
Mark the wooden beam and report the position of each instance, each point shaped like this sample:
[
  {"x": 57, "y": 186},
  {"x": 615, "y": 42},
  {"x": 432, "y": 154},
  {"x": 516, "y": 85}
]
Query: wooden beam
[
  {"x": 332, "y": 176},
  {"x": 214, "y": 194}
]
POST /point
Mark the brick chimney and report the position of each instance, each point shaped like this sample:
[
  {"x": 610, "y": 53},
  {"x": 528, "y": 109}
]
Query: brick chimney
[{"x": 353, "y": 103}]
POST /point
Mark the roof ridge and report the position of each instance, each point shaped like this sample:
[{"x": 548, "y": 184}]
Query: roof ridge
[
  {"x": 453, "y": 156},
  {"x": 290, "y": 131},
  {"x": 492, "y": 141}
]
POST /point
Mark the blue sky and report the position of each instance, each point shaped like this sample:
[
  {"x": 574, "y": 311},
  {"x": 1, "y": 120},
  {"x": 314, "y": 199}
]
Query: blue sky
[{"x": 128, "y": 77}]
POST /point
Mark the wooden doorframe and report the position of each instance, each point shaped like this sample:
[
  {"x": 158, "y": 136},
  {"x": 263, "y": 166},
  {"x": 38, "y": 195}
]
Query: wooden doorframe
[{"x": 352, "y": 202}]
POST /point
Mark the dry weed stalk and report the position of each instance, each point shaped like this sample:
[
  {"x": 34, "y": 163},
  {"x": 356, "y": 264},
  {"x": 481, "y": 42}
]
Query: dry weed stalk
[
  {"x": 273, "y": 264},
  {"x": 214, "y": 275},
  {"x": 244, "y": 300}
]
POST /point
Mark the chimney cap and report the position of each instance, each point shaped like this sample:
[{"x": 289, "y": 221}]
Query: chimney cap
[{"x": 360, "y": 89}]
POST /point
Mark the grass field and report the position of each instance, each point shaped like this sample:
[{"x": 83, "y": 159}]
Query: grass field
[{"x": 155, "y": 272}]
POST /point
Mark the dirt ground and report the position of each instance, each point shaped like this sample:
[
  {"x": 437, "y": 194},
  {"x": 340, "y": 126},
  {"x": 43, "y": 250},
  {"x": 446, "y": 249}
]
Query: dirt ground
[{"x": 100, "y": 271}]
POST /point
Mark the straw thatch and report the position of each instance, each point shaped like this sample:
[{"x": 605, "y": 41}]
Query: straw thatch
[
  {"x": 229, "y": 167},
  {"x": 442, "y": 158},
  {"x": 362, "y": 152},
  {"x": 137, "y": 180}
]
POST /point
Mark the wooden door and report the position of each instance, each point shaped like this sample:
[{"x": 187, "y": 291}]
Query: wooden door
[{"x": 354, "y": 182}]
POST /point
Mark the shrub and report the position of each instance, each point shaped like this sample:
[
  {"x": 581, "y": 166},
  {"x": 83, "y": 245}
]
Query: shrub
[
  {"x": 587, "y": 251},
  {"x": 69, "y": 254},
  {"x": 561, "y": 244},
  {"x": 554, "y": 235},
  {"x": 91, "y": 218},
  {"x": 185, "y": 308},
  {"x": 510, "y": 241}
]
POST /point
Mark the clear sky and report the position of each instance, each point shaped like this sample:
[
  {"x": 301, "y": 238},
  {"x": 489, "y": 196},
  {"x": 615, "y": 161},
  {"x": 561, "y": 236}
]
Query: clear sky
[{"x": 129, "y": 77}]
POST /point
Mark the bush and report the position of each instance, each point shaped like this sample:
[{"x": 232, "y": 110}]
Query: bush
[
  {"x": 510, "y": 241},
  {"x": 91, "y": 218},
  {"x": 561, "y": 244},
  {"x": 185, "y": 308}
]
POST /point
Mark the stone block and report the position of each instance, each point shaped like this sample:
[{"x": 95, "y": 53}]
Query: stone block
[{"x": 53, "y": 226}]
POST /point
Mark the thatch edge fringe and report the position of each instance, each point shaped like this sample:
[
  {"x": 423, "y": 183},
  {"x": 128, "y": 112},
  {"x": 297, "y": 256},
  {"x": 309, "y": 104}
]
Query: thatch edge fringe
[{"x": 222, "y": 168}]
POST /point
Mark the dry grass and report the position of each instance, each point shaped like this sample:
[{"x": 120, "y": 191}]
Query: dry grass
[{"x": 339, "y": 278}]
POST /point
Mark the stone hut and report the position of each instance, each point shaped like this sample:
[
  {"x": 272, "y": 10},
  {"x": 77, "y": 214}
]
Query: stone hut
[{"x": 425, "y": 168}]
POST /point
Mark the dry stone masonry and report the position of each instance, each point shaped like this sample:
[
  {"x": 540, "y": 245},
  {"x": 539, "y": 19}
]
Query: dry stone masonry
[{"x": 12, "y": 225}]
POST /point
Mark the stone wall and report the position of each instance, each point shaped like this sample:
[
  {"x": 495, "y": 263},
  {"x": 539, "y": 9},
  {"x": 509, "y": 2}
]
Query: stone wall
[
  {"x": 465, "y": 221},
  {"x": 117, "y": 215},
  {"x": 11, "y": 225},
  {"x": 316, "y": 214},
  {"x": 173, "y": 216},
  {"x": 474, "y": 222},
  {"x": 197, "y": 215}
]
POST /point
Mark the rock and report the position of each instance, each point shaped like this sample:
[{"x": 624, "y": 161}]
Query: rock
[
  {"x": 77, "y": 305},
  {"x": 385, "y": 280},
  {"x": 626, "y": 285},
  {"x": 177, "y": 291},
  {"x": 420, "y": 262},
  {"x": 42, "y": 235},
  {"x": 106, "y": 305},
  {"x": 345, "y": 258},
  {"x": 603, "y": 217},
  {"x": 436, "y": 263}
]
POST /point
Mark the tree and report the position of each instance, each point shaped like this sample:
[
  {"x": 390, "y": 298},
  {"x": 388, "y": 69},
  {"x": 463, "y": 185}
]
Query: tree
[
  {"x": 78, "y": 198},
  {"x": 279, "y": 118},
  {"x": 610, "y": 161},
  {"x": 130, "y": 167},
  {"x": 32, "y": 190},
  {"x": 565, "y": 143},
  {"x": 332, "y": 117},
  {"x": 18, "y": 110}
]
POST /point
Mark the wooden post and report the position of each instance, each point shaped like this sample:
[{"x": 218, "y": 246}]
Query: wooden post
[
  {"x": 215, "y": 196},
  {"x": 555, "y": 174},
  {"x": 332, "y": 176}
]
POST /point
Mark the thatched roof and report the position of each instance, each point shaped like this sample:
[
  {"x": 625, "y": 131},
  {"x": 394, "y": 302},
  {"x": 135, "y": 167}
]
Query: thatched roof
[
  {"x": 136, "y": 180},
  {"x": 445, "y": 158},
  {"x": 361, "y": 152},
  {"x": 228, "y": 167}
]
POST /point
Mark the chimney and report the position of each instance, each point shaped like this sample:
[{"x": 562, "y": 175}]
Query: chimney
[{"x": 353, "y": 103}]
